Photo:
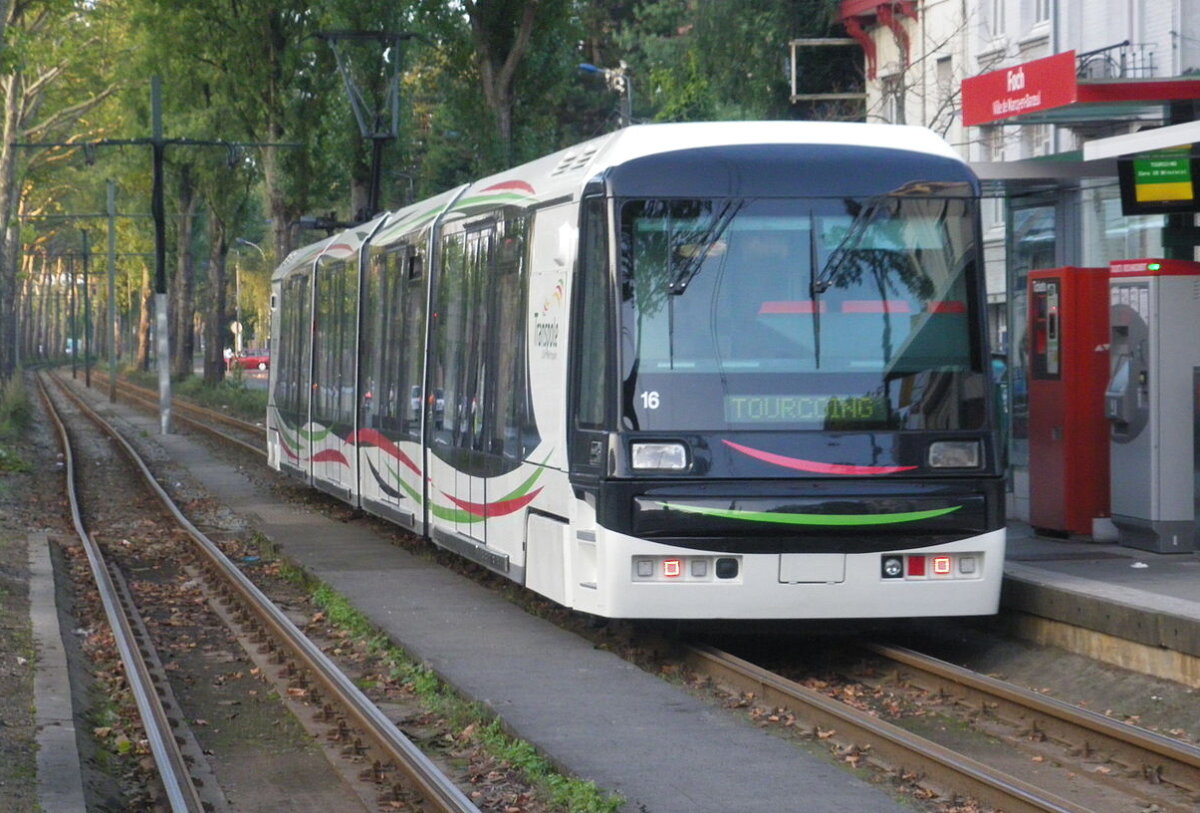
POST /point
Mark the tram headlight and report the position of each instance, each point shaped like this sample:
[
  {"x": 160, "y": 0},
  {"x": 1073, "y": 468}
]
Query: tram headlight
[
  {"x": 660, "y": 456},
  {"x": 955, "y": 454},
  {"x": 893, "y": 567}
]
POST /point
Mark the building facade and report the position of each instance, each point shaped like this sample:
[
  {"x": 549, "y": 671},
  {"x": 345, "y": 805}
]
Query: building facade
[{"x": 1019, "y": 87}]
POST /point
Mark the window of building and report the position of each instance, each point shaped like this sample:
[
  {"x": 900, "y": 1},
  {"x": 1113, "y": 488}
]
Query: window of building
[
  {"x": 995, "y": 143},
  {"x": 892, "y": 90},
  {"x": 996, "y": 18},
  {"x": 945, "y": 79},
  {"x": 994, "y": 149},
  {"x": 1041, "y": 11},
  {"x": 1037, "y": 138}
]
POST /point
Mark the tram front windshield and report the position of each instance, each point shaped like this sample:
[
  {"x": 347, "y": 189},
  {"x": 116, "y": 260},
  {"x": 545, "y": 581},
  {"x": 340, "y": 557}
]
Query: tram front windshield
[{"x": 800, "y": 314}]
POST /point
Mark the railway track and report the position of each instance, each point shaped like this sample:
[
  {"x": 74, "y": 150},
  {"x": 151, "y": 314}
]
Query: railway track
[
  {"x": 243, "y": 434},
  {"x": 135, "y": 651},
  {"x": 1080, "y": 756},
  {"x": 1131, "y": 761},
  {"x": 352, "y": 717}
]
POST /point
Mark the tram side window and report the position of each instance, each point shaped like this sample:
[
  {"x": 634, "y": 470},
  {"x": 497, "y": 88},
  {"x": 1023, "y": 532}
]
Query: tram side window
[
  {"x": 291, "y": 368},
  {"x": 504, "y": 399},
  {"x": 374, "y": 350},
  {"x": 334, "y": 344},
  {"x": 392, "y": 342},
  {"x": 410, "y": 336},
  {"x": 456, "y": 331},
  {"x": 595, "y": 310}
]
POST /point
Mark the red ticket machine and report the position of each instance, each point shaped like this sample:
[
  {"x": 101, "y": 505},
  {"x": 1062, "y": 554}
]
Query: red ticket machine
[{"x": 1068, "y": 374}]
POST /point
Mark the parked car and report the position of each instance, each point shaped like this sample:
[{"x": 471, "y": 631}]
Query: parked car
[{"x": 251, "y": 360}]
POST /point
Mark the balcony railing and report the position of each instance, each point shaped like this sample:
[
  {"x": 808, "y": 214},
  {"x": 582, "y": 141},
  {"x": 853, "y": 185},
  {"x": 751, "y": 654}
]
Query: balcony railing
[{"x": 1125, "y": 60}]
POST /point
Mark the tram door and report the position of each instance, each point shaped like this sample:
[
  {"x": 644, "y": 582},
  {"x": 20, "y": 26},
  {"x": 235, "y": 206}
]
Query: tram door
[
  {"x": 391, "y": 400},
  {"x": 458, "y": 474},
  {"x": 478, "y": 357},
  {"x": 333, "y": 384}
]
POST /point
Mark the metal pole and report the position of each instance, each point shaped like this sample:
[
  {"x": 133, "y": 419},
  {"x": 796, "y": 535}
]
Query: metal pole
[
  {"x": 237, "y": 303},
  {"x": 626, "y": 95},
  {"x": 87, "y": 314},
  {"x": 375, "y": 193},
  {"x": 238, "y": 288},
  {"x": 112, "y": 292},
  {"x": 71, "y": 297},
  {"x": 157, "y": 207}
]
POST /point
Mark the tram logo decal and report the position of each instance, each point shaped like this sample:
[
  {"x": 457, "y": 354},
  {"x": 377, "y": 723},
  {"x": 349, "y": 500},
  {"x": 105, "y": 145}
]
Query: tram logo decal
[
  {"x": 546, "y": 329},
  {"x": 813, "y": 519},
  {"x": 814, "y": 466}
]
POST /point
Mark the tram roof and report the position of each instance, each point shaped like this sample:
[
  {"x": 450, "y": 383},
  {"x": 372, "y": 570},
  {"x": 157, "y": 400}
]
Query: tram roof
[{"x": 564, "y": 174}]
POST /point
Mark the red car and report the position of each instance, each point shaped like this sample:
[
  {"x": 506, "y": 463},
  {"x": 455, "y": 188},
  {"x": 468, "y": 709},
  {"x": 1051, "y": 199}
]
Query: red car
[{"x": 252, "y": 360}]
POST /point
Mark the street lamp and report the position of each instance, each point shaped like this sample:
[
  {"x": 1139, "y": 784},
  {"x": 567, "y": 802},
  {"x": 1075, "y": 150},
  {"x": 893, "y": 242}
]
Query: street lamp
[
  {"x": 237, "y": 290},
  {"x": 620, "y": 80}
]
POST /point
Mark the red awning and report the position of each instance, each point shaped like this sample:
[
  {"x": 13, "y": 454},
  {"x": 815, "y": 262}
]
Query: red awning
[{"x": 1049, "y": 91}]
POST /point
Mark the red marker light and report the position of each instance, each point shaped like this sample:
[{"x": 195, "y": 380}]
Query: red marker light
[
  {"x": 916, "y": 565},
  {"x": 942, "y": 565},
  {"x": 672, "y": 568}
]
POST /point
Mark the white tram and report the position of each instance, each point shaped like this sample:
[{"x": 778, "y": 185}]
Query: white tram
[{"x": 726, "y": 370}]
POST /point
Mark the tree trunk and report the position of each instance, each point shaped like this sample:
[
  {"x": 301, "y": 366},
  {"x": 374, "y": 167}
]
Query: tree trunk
[
  {"x": 147, "y": 311},
  {"x": 13, "y": 93},
  {"x": 183, "y": 335},
  {"x": 497, "y": 70},
  {"x": 216, "y": 326}
]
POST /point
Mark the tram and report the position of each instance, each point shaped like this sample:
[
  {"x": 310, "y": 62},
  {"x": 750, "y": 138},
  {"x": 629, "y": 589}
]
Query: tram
[{"x": 680, "y": 371}]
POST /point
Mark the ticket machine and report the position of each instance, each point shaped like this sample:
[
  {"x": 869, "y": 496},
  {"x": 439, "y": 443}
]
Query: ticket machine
[
  {"x": 1068, "y": 371},
  {"x": 1151, "y": 402}
]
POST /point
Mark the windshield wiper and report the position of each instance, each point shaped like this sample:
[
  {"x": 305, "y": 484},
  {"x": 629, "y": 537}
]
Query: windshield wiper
[
  {"x": 814, "y": 289},
  {"x": 699, "y": 248},
  {"x": 853, "y": 237},
  {"x": 866, "y": 217}
]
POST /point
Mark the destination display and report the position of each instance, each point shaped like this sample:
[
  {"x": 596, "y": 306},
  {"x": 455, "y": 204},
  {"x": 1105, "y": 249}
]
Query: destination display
[{"x": 804, "y": 408}]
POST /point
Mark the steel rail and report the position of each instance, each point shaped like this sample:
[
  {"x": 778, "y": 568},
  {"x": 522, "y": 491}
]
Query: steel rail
[
  {"x": 168, "y": 757},
  {"x": 1134, "y": 747},
  {"x": 193, "y": 415},
  {"x": 438, "y": 789},
  {"x": 884, "y": 743}
]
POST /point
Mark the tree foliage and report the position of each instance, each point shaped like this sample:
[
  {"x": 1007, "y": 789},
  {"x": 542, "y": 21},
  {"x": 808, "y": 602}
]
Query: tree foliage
[{"x": 261, "y": 133}]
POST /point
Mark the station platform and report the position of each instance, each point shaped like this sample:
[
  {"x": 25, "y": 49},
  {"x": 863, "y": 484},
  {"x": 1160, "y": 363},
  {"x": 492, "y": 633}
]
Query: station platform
[
  {"x": 1132, "y": 608},
  {"x": 601, "y": 718}
]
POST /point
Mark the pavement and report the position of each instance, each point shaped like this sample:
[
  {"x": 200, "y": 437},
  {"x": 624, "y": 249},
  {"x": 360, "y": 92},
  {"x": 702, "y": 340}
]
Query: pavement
[{"x": 665, "y": 751}]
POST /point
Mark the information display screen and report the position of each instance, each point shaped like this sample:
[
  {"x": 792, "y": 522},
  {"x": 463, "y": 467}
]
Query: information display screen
[
  {"x": 1159, "y": 182},
  {"x": 845, "y": 409}
]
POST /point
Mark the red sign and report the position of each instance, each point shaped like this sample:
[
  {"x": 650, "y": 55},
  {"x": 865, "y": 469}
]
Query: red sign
[
  {"x": 1153, "y": 268},
  {"x": 1038, "y": 85}
]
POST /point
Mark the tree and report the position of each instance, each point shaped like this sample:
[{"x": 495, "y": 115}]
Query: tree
[
  {"x": 41, "y": 103},
  {"x": 501, "y": 31},
  {"x": 721, "y": 59}
]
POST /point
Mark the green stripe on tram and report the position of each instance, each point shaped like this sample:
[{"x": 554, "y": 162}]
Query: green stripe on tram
[{"x": 846, "y": 520}]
